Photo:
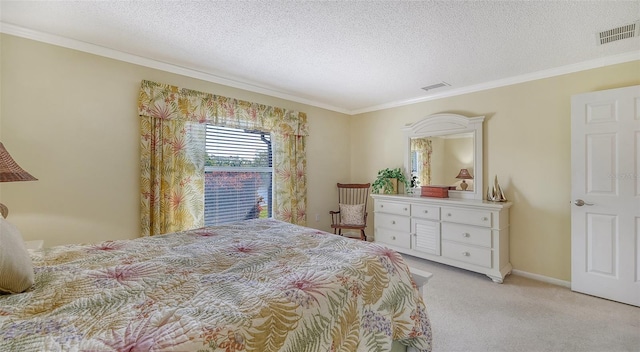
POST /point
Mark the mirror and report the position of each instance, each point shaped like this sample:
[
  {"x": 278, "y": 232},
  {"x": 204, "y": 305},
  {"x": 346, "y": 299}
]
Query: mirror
[
  {"x": 446, "y": 150},
  {"x": 437, "y": 160}
]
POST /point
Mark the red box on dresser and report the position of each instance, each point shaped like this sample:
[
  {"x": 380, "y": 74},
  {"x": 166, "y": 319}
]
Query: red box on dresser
[{"x": 435, "y": 191}]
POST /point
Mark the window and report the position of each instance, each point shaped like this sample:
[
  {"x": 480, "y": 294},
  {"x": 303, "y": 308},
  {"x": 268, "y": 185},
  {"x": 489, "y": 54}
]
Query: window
[{"x": 238, "y": 175}]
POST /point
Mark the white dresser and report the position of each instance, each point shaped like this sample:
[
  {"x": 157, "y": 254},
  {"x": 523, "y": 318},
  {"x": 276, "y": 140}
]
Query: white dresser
[{"x": 465, "y": 233}]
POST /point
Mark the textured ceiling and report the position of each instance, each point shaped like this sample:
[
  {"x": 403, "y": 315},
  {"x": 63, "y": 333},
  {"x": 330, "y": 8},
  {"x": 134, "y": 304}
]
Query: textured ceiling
[{"x": 347, "y": 56}]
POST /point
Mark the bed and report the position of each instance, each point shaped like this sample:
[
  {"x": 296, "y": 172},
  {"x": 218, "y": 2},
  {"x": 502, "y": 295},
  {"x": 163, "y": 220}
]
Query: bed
[{"x": 257, "y": 285}]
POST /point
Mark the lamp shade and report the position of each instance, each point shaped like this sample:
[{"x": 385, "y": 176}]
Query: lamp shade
[
  {"x": 10, "y": 171},
  {"x": 464, "y": 174}
]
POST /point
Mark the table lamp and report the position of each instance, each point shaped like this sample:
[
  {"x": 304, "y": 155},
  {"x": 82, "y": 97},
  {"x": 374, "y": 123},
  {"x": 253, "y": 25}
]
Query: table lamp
[
  {"x": 464, "y": 175},
  {"x": 10, "y": 171}
]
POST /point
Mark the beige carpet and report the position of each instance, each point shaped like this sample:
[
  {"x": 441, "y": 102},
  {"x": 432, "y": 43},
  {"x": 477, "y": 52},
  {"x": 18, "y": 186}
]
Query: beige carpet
[{"x": 469, "y": 312}]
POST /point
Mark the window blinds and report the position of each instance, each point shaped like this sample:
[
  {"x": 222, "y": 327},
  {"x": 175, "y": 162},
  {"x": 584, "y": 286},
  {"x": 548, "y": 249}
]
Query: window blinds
[{"x": 238, "y": 175}]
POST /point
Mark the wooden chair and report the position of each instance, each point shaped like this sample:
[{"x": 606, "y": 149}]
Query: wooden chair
[{"x": 352, "y": 212}]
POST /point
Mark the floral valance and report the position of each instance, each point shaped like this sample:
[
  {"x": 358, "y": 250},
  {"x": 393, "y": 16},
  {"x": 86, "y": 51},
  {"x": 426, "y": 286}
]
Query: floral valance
[{"x": 170, "y": 102}]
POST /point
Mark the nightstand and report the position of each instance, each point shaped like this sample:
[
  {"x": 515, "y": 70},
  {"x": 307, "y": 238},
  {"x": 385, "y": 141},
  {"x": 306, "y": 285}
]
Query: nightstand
[{"x": 37, "y": 244}]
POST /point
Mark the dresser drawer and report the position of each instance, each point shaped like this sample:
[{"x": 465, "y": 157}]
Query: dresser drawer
[
  {"x": 467, "y": 254},
  {"x": 425, "y": 212},
  {"x": 393, "y": 208},
  {"x": 479, "y": 236},
  {"x": 396, "y": 223},
  {"x": 398, "y": 239},
  {"x": 467, "y": 216}
]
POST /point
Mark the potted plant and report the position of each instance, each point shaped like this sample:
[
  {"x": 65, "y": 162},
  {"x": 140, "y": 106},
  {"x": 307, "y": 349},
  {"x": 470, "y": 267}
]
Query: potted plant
[{"x": 385, "y": 181}]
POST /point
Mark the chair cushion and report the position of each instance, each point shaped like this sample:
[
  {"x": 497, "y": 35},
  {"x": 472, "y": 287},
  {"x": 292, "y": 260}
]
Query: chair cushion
[
  {"x": 16, "y": 268},
  {"x": 352, "y": 214}
]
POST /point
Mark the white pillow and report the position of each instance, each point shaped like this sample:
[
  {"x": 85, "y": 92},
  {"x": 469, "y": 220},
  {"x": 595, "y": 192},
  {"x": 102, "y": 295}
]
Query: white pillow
[
  {"x": 16, "y": 268},
  {"x": 352, "y": 214}
]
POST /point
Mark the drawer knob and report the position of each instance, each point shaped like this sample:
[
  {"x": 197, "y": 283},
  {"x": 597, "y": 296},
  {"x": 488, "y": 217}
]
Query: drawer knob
[
  {"x": 466, "y": 254},
  {"x": 393, "y": 222},
  {"x": 393, "y": 238},
  {"x": 485, "y": 218},
  {"x": 448, "y": 214},
  {"x": 381, "y": 206},
  {"x": 426, "y": 212},
  {"x": 405, "y": 209},
  {"x": 466, "y": 235}
]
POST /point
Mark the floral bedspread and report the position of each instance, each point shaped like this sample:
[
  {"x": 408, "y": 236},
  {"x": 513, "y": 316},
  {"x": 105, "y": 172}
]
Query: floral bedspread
[{"x": 259, "y": 285}]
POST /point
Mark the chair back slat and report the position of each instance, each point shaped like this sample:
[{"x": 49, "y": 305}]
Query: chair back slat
[{"x": 353, "y": 193}]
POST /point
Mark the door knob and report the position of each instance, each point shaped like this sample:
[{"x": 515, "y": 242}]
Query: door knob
[{"x": 580, "y": 202}]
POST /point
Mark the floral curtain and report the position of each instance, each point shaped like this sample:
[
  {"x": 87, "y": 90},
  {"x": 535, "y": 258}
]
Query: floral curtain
[
  {"x": 173, "y": 122},
  {"x": 423, "y": 147}
]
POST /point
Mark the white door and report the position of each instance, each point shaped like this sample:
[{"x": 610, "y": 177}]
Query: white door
[{"x": 605, "y": 190}]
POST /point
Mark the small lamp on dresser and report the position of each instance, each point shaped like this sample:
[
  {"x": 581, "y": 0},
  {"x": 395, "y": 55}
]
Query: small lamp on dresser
[
  {"x": 464, "y": 175},
  {"x": 10, "y": 171}
]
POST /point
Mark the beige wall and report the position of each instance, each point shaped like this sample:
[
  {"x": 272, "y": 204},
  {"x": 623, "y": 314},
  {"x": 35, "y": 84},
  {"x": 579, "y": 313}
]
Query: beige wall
[
  {"x": 438, "y": 158},
  {"x": 526, "y": 144},
  {"x": 459, "y": 155},
  {"x": 70, "y": 119}
]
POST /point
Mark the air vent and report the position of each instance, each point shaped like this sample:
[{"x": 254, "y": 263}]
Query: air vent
[
  {"x": 437, "y": 85},
  {"x": 622, "y": 32}
]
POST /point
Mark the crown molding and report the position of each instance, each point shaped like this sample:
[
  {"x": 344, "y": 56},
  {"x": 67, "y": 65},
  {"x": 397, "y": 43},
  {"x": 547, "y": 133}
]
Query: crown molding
[
  {"x": 163, "y": 66},
  {"x": 155, "y": 64},
  {"x": 558, "y": 71}
]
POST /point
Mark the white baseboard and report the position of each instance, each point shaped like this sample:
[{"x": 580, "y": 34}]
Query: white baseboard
[{"x": 547, "y": 279}]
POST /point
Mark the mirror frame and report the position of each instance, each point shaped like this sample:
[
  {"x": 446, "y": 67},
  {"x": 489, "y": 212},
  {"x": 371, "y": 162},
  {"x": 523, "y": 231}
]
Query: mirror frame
[{"x": 446, "y": 124}]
